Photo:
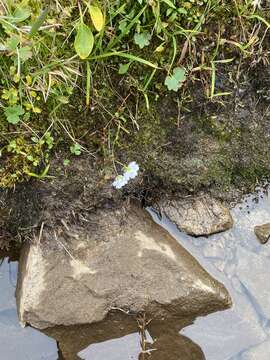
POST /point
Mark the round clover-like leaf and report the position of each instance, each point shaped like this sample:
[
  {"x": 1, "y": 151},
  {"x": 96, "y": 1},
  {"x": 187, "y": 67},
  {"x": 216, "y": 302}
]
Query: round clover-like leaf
[
  {"x": 142, "y": 39},
  {"x": 13, "y": 113},
  {"x": 174, "y": 82}
]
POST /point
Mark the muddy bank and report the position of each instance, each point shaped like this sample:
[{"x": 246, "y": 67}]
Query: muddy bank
[{"x": 218, "y": 146}]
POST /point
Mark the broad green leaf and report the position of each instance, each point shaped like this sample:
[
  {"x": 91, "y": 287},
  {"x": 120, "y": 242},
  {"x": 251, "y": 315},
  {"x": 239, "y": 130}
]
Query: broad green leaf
[
  {"x": 96, "y": 17},
  {"x": 13, "y": 113},
  {"x": 123, "y": 68},
  {"x": 84, "y": 41},
  {"x": 174, "y": 82},
  {"x": 25, "y": 53},
  {"x": 12, "y": 43},
  {"x": 37, "y": 24},
  {"x": 21, "y": 13},
  {"x": 142, "y": 39}
]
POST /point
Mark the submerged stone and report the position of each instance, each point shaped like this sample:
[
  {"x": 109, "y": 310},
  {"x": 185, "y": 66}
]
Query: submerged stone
[
  {"x": 198, "y": 216},
  {"x": 129, "y": 263},
  {"x": 262, "y": 232}
]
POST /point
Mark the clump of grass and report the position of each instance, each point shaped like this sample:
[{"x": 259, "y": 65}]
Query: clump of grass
[{"x": 53, "y": 54}]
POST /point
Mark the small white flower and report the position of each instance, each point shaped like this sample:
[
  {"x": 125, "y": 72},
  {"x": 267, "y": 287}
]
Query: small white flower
[
  {"x": 257, "y": 3},
  {"x": 131, "y": 170},
  {"x": 120, "y": 181}
]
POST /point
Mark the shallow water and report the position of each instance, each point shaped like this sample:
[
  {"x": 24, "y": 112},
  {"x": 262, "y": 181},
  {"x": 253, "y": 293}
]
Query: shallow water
[
  {"x": 235, "y": 258},
  {"x": 17, "y": 343},
  {"x": 242, "y": 264}
]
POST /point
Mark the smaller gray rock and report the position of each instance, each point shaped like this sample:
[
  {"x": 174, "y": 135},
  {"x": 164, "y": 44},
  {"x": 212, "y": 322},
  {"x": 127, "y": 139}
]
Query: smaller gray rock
[
  {"x": 198, "y": 216},
  {"x": 262, "y": 232}
]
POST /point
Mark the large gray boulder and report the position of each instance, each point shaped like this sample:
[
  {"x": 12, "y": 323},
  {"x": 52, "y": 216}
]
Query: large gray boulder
[
  {"x": 198, "y": 216},
  {"x": 129, "y": 263}
]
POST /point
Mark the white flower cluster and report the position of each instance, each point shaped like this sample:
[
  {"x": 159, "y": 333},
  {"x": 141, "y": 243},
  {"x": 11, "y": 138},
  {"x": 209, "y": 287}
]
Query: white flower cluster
[{"x": 131, "y": 171}]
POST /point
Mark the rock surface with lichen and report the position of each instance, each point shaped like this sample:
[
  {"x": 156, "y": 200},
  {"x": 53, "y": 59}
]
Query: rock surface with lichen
[
  {"x": 198, "y": 216},
  {"x": 262, "y": 232}
]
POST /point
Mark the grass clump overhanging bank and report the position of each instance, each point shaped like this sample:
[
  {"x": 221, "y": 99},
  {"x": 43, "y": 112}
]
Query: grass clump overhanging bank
[{"x": 160, "y": 82}]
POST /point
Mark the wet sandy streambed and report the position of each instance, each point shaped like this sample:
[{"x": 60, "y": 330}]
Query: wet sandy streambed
[{"x": 235, "y": 257}]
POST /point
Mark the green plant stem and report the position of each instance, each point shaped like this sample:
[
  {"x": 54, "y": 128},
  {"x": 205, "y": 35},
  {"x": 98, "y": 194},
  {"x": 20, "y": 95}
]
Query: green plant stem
[{"x": 88, "y": 83}]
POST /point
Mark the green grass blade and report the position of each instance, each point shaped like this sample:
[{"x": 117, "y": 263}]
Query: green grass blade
[
  {"x": 213, "y": 80},
  {"x": 124, "y": 55},
  {"x": 37, "y": 24},
  {"x": 174, "y": 53},
  {"x": 149, "y": 79},
  {"x": 88, "y": 83},
  {"x": 258, "y": 17}
]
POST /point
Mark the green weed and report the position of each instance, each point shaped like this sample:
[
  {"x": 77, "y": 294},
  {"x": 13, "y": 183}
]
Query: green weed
[{"x": 53, "y": 53}]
